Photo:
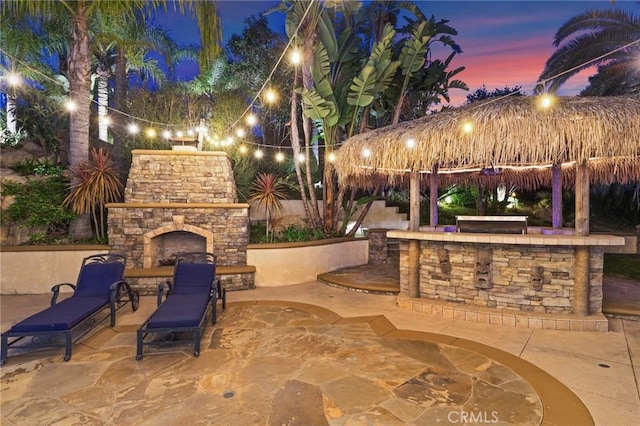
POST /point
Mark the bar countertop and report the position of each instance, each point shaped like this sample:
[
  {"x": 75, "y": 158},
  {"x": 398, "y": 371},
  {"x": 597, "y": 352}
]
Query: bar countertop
[{"x": 517, "y": 239}]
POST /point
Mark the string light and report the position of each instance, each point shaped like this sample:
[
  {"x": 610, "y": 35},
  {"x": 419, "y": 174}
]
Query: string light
[
  {"x": 271, "y": 96},
  {"x": 243, "y": 149},
  {"x": 467, "y": 127},
  {"x": 252, "y": 120},
  {"x": 301, "y": 158},
  {"x": 296, "y": 58},
  {"x": 545, "y": 101},
  {"x": 279, "y": 157},
  {"x": 258, "y": 154},
  {"x": 14, "y": 79},
  {"x": 71, "y": 106},
  {"x": 151, "y": 133},
  {"x": 133, "y": 128},
  {"x": 366, "y": 153}
]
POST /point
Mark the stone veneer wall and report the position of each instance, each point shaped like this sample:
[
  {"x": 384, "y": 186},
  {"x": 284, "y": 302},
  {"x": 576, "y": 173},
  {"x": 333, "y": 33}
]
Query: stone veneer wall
[
  {"x": 184, "y": 191},
  {"x": 513, "y": 275},
  {"x": 180, "y": 177},
  {"x": 229, "y": 226}
]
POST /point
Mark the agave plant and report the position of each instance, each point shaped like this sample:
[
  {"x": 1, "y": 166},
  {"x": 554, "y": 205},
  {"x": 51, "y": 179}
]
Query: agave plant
[
  {"x": 98, "y": 183},
  {"x": 268, "y": 190}
]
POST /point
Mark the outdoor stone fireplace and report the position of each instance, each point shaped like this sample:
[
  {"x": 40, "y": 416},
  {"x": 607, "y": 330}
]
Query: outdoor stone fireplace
[{"x": 180, "y": 201}]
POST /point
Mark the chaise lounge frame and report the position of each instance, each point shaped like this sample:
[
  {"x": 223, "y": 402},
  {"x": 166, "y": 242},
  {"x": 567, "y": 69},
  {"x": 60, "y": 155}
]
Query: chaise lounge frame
[
  {"x": 215, "y": 291},
  {"x": 120, "y": 293}
]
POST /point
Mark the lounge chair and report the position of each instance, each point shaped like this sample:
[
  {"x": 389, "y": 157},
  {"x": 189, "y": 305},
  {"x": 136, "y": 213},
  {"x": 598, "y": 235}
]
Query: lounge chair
[
  {"x": 99, "y": 286},
  {"x": 183, "y": 312}
]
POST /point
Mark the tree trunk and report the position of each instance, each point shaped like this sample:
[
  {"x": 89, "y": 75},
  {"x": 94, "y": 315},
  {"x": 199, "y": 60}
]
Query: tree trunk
[
  {"x": 120, "y": 122},
  {"x": 103, "y": 103},
  {"x": 329, "y": 184},
  {"x": 307, "y": 82},
  {"x": 11, "y": 112},
  {"x": 80, "y": 92},
  {"x": 295, "y": 146}
]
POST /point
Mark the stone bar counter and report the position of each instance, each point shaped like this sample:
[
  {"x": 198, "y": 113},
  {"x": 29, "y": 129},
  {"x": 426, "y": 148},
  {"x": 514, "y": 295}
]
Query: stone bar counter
[{"x": 528, "y": 280}]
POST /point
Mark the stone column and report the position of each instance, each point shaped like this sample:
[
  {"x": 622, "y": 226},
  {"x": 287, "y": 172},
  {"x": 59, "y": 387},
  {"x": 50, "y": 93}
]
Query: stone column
[{"x": 377, "y": 245}]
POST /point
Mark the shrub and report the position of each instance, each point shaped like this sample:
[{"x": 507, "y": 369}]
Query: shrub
[
  {"x": 38, "y": 203},
  {"x": 33, "y": 166}
]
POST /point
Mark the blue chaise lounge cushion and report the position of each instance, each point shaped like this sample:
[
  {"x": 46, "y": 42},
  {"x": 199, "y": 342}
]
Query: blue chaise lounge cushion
[
  {"x": 61, "y": 316},
  {"x": 194, "y": 278},
  {"x": 96, "y": 279},
  {"x": 179, "y": 310}
]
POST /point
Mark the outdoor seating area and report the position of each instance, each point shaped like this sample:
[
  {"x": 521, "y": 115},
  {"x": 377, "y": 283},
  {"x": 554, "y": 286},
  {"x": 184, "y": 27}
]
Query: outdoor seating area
[
  {"x": 291, "y": 351},
  {"x": 100, "y": 286}
]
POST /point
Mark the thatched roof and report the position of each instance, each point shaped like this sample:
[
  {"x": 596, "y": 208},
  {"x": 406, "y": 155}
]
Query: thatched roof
[{"x": 513, "y": 135}]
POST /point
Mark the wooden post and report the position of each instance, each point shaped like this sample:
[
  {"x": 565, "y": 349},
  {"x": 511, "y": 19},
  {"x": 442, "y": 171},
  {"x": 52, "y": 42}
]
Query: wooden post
[
  {"x": 581, "y": 280},
  {"x": 414, "y": 225},
  {"x": 414, "y": 268},
  {"x": 556, "y": 197},
  {"x": 433, "y": 195},
  {"x": 582, "y": 199},
  {"x": 582, "y": 254},
  {"x": 414, "y": 200}
]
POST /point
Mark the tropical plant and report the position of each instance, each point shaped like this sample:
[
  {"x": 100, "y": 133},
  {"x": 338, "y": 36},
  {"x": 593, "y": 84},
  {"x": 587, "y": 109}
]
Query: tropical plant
[
  {"x": 38, "y": 204},
  {"x": 98, "y": 184},
  {"x": 347, "y": 81},
  {"x": 606, "y": 38},
  {"x": 79, "y": 60},
  {"x": 268, "y": 190},
  {"x": 20, "y": 46}
]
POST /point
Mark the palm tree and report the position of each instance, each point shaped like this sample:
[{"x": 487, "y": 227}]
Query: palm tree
[
  {"x": 20, "y": 45},
  {"x": 121, "y": 47},
  {"x": 609, "y": 39},
  {"x": 79, "y": 60}
]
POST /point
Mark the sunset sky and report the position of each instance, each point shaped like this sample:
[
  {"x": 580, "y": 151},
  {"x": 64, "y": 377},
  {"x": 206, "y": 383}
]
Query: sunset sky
[{"x": 504, "y": 43}]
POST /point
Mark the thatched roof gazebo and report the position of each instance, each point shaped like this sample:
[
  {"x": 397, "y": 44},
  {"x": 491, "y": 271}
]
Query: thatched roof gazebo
[{"x": 523, "y": 140}]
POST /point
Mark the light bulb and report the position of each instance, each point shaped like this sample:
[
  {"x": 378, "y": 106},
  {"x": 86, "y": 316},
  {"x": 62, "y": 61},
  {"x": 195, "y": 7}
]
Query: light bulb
[
  {"x": 71, "y": 106},
  {"x": 296, "y": 58},
  {"x": 133, "y": 128}
]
